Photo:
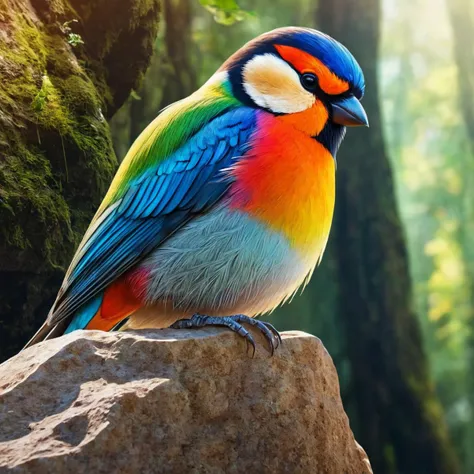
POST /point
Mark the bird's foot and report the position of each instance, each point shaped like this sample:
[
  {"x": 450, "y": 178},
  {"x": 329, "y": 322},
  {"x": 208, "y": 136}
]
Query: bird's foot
[{"x": 235, "y": 324}]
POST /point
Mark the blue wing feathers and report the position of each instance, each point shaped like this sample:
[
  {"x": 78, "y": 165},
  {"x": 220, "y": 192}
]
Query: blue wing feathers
[
  {"x": 128, "y": 199},
  {"x": 139, "y": 196},
  {"x": 110, "y": 258},
  {"x": 143, "y": 195},
  {"x": 155, "y": 205},
  {"x": 164, "y": 206},
  {"x": 194, "y": 190},
  {"x": 234, "y": 140},
  {"x": 180, "y": 166},
  {"x": 162, "y": 194}
]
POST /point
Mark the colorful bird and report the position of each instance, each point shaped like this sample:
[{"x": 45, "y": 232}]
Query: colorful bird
[{"x": 223, "y": 205}]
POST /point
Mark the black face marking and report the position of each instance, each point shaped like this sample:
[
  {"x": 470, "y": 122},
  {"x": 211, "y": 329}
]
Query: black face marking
[
  {"x": 331, "y": 137},
  {"x": 235, "y": 65}
]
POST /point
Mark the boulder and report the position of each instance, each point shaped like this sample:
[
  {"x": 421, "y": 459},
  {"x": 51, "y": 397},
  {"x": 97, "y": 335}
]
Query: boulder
[{"x": 174, "y": 401}]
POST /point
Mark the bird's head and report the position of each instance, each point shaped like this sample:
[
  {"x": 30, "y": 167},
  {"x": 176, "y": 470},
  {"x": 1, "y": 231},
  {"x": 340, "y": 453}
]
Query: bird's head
[{"x": 302, "y": 76}]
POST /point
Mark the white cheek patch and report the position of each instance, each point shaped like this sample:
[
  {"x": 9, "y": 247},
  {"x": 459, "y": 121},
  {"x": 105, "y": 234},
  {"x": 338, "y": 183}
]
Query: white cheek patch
[{"x": 273, "y": 84}]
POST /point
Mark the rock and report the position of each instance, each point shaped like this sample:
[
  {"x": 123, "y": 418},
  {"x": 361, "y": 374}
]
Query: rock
[{"x": 167, "y": 401}]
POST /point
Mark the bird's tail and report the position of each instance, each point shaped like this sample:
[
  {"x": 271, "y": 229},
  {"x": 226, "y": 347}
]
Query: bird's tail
[
  {"x": 103, "y": 312},
  {"x": 46, "y": 332}
]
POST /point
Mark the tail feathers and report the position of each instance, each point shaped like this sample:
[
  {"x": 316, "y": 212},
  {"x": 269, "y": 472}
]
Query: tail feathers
[
  {"x": 104, "y": 312},
  {"x": 86, "y": 314},
  {"x": 79, "y": 321},
  {"x": 119, "y": 302},
  {"x": 46, "y": 332}
]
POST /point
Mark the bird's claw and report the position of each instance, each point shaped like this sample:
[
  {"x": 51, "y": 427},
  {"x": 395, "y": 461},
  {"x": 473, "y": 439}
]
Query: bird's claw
[
  {"x": 235, "y": 324},
  {"x": 275, "y": 333}
]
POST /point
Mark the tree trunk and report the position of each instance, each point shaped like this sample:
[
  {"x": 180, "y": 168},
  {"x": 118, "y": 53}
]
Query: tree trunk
[
  {"x": 65, "y": 66},
  {"x": 181, "y": 80},
  {"x": 170, "y": 77},
  {"x": 462, "y": 20},
  {"x": 172, "y": 70},
  {"x": 399, "y": 420}
]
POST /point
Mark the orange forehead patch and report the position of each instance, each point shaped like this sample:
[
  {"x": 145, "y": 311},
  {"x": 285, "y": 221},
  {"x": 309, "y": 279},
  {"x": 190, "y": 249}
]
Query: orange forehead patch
[{"x": 303, "y": 62}]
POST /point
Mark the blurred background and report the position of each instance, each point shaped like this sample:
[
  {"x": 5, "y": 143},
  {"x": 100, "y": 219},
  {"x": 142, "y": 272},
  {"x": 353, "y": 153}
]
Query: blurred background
[{"x": 393, "y": 300}]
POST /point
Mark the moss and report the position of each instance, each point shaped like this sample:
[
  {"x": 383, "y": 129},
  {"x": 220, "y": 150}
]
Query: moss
[
  {"x": 49, "y": 108},
  {"x": 81, "y": 95},
  {"x": 56, "y": 116},
  {"x": 25, "y": 180}
]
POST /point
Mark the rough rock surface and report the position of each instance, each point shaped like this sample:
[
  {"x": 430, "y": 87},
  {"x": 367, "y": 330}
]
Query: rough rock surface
[{"x": 164, "y": 401}]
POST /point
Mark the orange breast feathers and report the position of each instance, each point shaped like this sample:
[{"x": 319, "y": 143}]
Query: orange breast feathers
[{"x": 287, "y": 181}]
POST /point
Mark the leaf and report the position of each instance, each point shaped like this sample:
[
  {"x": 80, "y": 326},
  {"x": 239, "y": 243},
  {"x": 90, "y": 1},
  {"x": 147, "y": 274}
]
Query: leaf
[
  {"x": 42, "y": 97},
  {"x": 74, "y": 39},
  {"x": 134, "y": 95},
  {"x": 226, "y": 12}
]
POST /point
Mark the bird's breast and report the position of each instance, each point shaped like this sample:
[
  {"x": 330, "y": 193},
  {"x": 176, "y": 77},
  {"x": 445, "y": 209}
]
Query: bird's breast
[
  {"x": 287, "y": 182},
  {"x": 221, "y": 263}
]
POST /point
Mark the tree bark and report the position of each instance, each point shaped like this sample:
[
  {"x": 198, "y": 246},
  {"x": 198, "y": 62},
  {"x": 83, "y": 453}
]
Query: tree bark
[
  {"x": 461, "y": 15},
  {"x": 65, "y": 66},
  {"x": 170, "y": 77},
  {"x": 181, "y": 80},
  {"x": 172, "y": 71},
  {"x": 399, "y": 420}
]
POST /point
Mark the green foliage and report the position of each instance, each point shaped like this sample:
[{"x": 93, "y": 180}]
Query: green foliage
[
  {"x": 73, "y": 39},
  {"x": 226, "y": 12}
]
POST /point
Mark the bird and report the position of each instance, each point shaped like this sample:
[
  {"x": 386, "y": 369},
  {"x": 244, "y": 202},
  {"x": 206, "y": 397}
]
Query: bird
[{"x": 222, "y": 207}]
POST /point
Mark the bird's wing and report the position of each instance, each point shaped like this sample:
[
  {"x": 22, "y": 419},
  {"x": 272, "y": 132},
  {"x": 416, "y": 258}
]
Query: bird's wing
[{"x": 146, "y": 207}]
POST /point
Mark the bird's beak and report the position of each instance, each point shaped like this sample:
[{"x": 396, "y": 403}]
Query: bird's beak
[{"x": 349, "y": 112}]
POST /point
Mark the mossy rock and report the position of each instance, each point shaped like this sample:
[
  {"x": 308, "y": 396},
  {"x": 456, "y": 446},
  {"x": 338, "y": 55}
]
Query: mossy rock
[{"x": 65, "y": 68}]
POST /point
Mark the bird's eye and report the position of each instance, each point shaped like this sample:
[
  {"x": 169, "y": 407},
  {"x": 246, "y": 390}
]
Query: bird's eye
[{"x": 309, "y": 81}]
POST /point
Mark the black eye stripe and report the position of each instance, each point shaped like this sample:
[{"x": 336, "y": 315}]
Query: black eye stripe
[{"x": 311, "y": 83}]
